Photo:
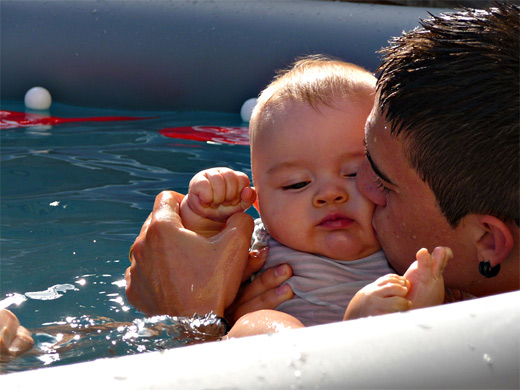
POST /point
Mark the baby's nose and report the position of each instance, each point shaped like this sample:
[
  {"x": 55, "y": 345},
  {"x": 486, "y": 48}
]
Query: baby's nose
[{"x": 330, "y": 195}]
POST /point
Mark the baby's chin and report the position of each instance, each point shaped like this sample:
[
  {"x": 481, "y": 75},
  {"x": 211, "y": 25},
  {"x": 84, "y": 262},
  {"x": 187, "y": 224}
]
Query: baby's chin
[
  {"x": 340, "y": 245},
  {"x": 344, "y": 249},
  {"x": 345, "y": 256}
]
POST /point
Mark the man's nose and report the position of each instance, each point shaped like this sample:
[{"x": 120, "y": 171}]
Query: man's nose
[{"x": 366, "y": 185}]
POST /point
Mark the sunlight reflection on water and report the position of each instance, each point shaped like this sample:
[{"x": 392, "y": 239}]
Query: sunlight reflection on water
[{"x": 74, "y": 197}]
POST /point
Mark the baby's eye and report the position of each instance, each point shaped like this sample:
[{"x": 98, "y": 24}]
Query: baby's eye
[
  {"x": 354, "y": 174},
  {"x": 296, "y": 186}
]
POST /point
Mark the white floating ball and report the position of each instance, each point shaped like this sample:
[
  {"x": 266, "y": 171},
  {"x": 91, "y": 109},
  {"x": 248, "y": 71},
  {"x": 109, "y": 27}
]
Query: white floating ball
[
  {"x": 38, "y": 98},
  {"x": 247, "y": 109}
]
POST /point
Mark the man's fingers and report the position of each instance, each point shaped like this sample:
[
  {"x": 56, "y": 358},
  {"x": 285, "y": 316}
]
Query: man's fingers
[
  {"x": 167, "y": 208},
  {"x": 234, "y": 240},
  {"x": 268, "y": 280},
  {"x": 134, "y": 296},
  {"x": 243, "y": 224},
  {"x": 144, "y": 228},
  {"x": 255, "y": 262},
  {"x": 264, "y": 292}
]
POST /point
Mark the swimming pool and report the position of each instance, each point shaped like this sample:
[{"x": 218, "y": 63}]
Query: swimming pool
[
  {"x": 74, "y": 196},
  {"x": 165, "y": 57}
]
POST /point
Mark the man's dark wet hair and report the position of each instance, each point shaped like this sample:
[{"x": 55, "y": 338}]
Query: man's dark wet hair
[{"x": 451, "y": 90}]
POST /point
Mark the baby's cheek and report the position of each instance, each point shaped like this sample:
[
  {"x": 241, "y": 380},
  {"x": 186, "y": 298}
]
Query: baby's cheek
[{"x": 282, "y": 225}]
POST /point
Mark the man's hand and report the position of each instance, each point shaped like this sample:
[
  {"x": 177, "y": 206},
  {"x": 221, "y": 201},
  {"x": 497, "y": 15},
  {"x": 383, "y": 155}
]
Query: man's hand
[
  {"x": 178, "y": 272},
  {"x": 265, "y": 291}
]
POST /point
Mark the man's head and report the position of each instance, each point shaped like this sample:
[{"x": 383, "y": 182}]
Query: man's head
[{"x": 448, "y": 105}]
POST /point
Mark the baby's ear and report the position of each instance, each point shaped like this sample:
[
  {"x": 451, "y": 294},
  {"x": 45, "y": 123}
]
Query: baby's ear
[{"x": 255, "y": 204}]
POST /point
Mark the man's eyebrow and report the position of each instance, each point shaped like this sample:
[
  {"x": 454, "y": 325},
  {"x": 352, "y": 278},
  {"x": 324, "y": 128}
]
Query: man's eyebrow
[{"x": 376, "y": 169}]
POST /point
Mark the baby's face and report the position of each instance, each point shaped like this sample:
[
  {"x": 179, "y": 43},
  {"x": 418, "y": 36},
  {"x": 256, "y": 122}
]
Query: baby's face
[{"x": 304, "y": 169}]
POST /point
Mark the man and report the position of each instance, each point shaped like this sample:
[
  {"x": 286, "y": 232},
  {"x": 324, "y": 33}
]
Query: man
[
  {"x": 442, "y": 145},
  {"x": 442, "y": 166}
]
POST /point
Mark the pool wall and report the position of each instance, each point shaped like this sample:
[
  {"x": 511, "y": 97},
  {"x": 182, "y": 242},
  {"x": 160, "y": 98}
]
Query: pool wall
[
  {"x": 177, "y": 55},
  {"x": 468, "y": 345},
  {"x": 202, "y": 55}
]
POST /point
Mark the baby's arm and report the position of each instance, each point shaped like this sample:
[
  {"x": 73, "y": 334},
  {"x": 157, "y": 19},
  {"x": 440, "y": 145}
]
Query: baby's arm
[
  {"x": 421, "y": 286},
  {"x": 214, "y": 195},
  {"x": 386, "y": 295}
]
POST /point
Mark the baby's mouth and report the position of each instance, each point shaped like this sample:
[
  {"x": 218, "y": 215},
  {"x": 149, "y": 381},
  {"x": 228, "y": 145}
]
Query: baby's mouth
[{"x": 336, "y": 221}]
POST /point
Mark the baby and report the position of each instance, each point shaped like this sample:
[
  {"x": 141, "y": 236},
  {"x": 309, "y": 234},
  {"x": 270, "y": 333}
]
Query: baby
[{"x": 307, "y": 137}]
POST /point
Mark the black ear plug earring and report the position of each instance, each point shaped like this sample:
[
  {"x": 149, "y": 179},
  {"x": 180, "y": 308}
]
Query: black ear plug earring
[{"x": 486, "y": 270}]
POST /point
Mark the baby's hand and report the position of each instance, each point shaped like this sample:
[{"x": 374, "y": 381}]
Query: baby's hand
[
  {"x": 215, "y": 195},
  {"x": 386, "y": 295},
  {"x": 425, "y": 277},
  {"x": 218, "y": 193}
]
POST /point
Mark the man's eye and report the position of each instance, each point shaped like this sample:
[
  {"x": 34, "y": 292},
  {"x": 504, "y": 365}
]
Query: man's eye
[
  {"x": 380, "y": 186},
  {"x": 296, "y": 186}
]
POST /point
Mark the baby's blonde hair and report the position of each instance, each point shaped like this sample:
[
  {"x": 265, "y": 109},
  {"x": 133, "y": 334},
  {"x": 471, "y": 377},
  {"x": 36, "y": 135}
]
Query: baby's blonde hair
[{"x": 315, "y": 80}]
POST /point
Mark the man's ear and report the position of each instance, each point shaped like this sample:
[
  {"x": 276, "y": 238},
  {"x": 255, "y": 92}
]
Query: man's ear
[{"x": 495, "y": 240}]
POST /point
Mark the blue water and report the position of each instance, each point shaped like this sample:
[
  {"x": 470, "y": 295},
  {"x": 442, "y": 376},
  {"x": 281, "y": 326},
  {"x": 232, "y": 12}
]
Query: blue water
[{"x": 73, "y": 199}]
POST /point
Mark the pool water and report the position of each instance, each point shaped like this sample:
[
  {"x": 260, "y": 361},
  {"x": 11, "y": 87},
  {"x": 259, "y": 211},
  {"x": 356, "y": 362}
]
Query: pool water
[{"x": 73, "y": 199}]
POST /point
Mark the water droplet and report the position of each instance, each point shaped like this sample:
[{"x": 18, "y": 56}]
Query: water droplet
[
  {"x": 424, "y": 326},
  {"x": 487, "y": 358}
]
